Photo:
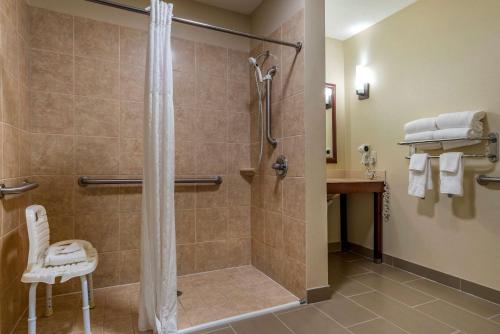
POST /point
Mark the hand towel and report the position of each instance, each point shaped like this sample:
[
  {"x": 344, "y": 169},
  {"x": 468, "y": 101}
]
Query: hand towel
[
  {"x": 421, "y": 125},
  {"x": 451, "y": 173},
  {"x": 457, "y": 133},
  {"x": 465, "y": 119},
  {"x": 420, "y": 175},
  {"x": 426, "y": 135},
  {"x": 61, "y": 254}
]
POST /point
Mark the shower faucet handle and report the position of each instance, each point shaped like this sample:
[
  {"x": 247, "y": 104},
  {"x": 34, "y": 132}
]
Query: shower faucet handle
[{"x": 281, "y": 166}]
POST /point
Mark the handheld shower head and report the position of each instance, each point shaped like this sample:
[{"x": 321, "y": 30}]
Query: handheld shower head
[{"x": 255, "y": 65}]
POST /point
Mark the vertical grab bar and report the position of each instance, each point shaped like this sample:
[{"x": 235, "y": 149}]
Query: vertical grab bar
[{"x": 269, "y": 88}]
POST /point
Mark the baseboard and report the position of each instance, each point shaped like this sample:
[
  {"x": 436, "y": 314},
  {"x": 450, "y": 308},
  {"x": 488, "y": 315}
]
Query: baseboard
[
  {"x": 317, "y": 295},
  {"x": 334, "y": 247},
  {"x": 434, "y": 275}
]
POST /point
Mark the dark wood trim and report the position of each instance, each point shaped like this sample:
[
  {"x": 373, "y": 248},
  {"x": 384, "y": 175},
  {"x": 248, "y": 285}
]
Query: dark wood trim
[
  {"x": 333, "y": 159},
  {"x": 316, "y": 295},
  {"x": 377, "y": 226},
  {"x": 355, "y": 187}
]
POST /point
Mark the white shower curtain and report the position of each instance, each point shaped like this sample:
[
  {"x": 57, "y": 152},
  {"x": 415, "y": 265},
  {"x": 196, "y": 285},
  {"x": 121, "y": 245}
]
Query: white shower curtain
[{"x": 158, "y": 299}]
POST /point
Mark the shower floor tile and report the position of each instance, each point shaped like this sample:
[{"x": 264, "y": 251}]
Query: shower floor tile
[{"x": 205, "y": 297}]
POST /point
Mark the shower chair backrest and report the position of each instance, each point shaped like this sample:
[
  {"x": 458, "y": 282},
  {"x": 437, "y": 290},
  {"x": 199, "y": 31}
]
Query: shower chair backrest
[{"x": 38, "y": 233}]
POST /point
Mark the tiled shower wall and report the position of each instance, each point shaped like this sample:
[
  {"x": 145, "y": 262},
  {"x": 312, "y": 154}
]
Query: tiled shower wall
[
  {"x": 14, "y": 157},
  {"x": 278, "y": 205},
  {"x": 87, "y": 92}
]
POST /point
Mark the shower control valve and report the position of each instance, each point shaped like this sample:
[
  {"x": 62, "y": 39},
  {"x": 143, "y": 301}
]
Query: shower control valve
[{"x": 281, "y": 166}]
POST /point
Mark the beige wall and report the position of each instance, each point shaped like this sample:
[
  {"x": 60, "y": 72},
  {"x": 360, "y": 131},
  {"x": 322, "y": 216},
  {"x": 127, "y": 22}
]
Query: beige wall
[
  {"x": 433, "y": 57},
  {"x": 182, "y": 8},
  {"x": 14, "y": 159},
  {"x": 314, "y": 123},
  {"x": 278, "y": 205},
  {"x": 334, "y": 65}
]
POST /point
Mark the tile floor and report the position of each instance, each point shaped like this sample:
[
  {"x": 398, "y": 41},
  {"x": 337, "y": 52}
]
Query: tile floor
[
  {"x": 205, "y": 297},
  {"x": 378, "y": 299}
]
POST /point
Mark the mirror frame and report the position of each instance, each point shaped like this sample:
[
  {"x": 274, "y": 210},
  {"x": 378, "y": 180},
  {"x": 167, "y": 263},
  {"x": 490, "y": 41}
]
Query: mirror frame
[{"x": 333, "y": 159}]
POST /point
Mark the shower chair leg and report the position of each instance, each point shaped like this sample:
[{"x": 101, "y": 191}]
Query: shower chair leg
[
  {"x": 85, "y": 305},
  {"x": 32, "y": 309},
  {"x": 48, "y": 300},
  {"x": 91, "y": 291}
]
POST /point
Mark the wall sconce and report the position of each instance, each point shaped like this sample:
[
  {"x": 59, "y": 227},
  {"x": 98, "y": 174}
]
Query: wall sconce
[{"x": 363, "y": 78}]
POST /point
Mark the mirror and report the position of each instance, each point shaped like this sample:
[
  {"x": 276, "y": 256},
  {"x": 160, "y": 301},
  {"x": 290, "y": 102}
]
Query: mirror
[{"x": 331, "y": 123}]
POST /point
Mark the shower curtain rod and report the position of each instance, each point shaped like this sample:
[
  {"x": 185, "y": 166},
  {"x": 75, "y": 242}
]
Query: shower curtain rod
[{"x": 115, "y": 4}]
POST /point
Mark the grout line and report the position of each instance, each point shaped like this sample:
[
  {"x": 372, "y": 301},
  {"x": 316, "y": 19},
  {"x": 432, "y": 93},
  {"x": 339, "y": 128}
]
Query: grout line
[
  {"x": 357, "y": 294},
  {"x": 425, "y": 303},
  {"x": 495, "y": 315},
  {"x": 366, "y": 321},
  {"x": 279, "y": 319},
  {"x": 331, "y": 318}
]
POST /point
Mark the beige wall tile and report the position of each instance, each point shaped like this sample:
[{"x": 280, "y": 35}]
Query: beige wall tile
[
  {"x": 184, "y": 197},
  {"x": 132, "y": 118},
  {"x": 96, "y": 39},
  {"x": 24, "y": 154},
  {"x": 130, "y": 198},
  {"x": 131, "y": 156},
  {"x": 293, "y": 115},
  {"x": 24, "y": 63},
  {"x": 10, "y": 213},
  {"x": 259, "y": 255},
  {"x": 238, "y": 94},
  {"x": 98, "y": 78},
  {"x": 238, "y": 65},
  {"x": 186, "y": 259},
  {"x": 211, "y": 59},
  {"x": 275, "y": 264},
  {"x": 185, "y": 158},
  {"x": 212, "y": 196},
  {"x": 130, "y": 266},
  {"x": 239, "y": 190},
  {"x": 272, "y": 189},
  {"x": 9, "y": 259},
  {"x": 183, "y": 55},
  {"x": 24, "y": 108},
  {"x": 185, "y": 226},
  {"x": 10, "y": 99},
  {"x": 96, "y": 155},
  {"x": 277, "y": 120},
  {"x": 94, "y": 200},
  {"x": 51, "y": 72},
  {"x": 108, "y": 270},
  {"x": 133, "y": 46},
  {"x": 52, "y": 154},
  {"x": 185, "y": 89},
  {"x": 51, "y": 31},
  {"x": 294, "y": 150},
  {"x": 62, "y": 227},
  {"x": 238, "y": 157},
  {"x": 239, "y": 252},
  {"x": 293, "y": 75},
  {"x": 295, "y": 239},
  {"x": 211, "y": 224},
  {"x": 132, "y": 81},
  {"x": 10, "y": 45},
  {"x": 295, "y": 277},
  {"x": 210, "y": 91},
  {"x": 294, "y": 198},
  {"x": 293, "y": 30},
  {"x": 238, "y": 225},
  {"x": 185, "y": 124},
  {"x": 130, "y": 230},
  {"x": 100, "y": 230},
  {"x": 52, "y": 113},
  {"x": 11, "y": 307},
  {"x": 238, "y": 128},
  {"x": 211, "y": 159},
  {"x": 274, "y": 229},
  {"x": 55, "y": 193},
  {"x": 210, "y": 256},
  {"x": 258, "y": 224},
  {"x": 211, "y": 125},
  {"x": 96, "y": 117},
  {"x": 10, "y": 152}
]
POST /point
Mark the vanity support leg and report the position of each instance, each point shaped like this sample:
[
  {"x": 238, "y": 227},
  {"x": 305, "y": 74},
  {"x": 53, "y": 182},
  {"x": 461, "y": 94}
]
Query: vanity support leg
[
  {"x": 377, "y": 227},
  {"x": 344, "y": 243}
]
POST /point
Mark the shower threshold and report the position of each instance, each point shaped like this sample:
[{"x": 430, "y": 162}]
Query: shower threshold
[{"x": 215, "y": 298}]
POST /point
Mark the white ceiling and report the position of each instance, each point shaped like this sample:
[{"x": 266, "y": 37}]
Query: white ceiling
[
  {"x": 345, "y": 18},
  {"x": 240, "y": 6}
]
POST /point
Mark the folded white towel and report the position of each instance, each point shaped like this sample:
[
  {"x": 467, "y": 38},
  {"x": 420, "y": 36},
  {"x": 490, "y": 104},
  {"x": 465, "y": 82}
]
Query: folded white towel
[
  {"x": 451, "y": 173},
  {"x": 457, "y": 133},
  {"x": 421, "y": 125},
  {"x": 420, "y": 179},
  {"x": 465, "y": 119},
  {"x": 426, "y": 135},
  {"x": 61, "y": 254}
]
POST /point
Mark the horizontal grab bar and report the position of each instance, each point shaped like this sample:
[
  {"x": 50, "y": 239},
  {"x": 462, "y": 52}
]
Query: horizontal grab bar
[
  {"x": 484, "y": 180},
  {"x": 86, "y": 181},
  {"x": 24, "y": 187}
]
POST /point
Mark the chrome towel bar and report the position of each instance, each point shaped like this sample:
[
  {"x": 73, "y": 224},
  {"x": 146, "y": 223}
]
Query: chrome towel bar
[
  {"x": 485, "y": 180},
  {"x": 19, "y": 189},
  {"x": 84, "y": 181}
]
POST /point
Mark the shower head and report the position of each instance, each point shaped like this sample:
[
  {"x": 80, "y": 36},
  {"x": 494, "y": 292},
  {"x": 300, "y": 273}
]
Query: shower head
[{"x": 255, "y": 65}]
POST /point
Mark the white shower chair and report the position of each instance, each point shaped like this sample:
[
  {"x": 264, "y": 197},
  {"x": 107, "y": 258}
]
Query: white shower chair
[{"x": 36, "y": 271}]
